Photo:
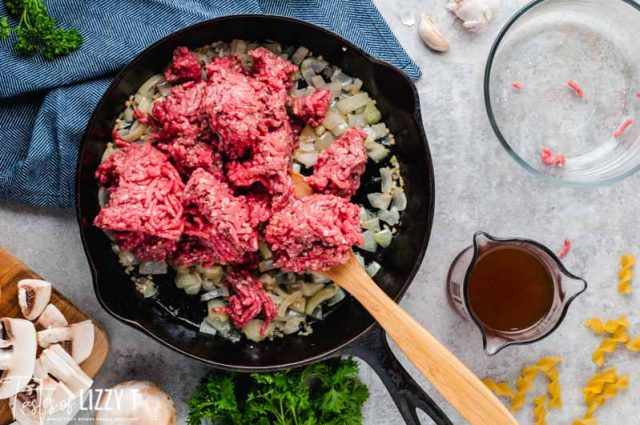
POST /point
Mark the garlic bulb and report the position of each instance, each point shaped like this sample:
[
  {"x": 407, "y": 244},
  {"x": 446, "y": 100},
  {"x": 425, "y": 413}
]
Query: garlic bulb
[
  {"x": 475, "y": 14},
  {"x": 430, "y": 34}
]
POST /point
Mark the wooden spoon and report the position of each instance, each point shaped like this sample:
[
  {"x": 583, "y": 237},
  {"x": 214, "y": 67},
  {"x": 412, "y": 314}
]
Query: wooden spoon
[{"x": 457, "y": 384}]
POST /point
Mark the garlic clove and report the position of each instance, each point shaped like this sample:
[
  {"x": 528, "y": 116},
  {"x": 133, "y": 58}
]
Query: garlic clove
[{"x": 430, "y": 34}]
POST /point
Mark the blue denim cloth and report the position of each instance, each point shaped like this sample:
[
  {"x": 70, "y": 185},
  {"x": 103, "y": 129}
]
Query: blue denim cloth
[{"x": 45, "y": 105}]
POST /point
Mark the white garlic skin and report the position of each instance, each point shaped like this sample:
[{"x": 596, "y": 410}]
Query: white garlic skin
[
  {"x": 475, "y": 14},
  {"x": 430, "y": 34}
]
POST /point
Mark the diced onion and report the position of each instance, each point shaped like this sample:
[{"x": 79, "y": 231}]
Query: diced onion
[
  {"x": 377, "y": 152},
  {"x": 102, "y": 197},
  {"x": 363, "y": 215},
  {"x": 266, "y": 265},
  {"x": 147, "y": 288},
  {"x": 308, "y": 135},
  {"x": 339, "y": 296},
  {"x": 399, "y": 200},
  {"x": 373, "y": 268},
  {"x": 296, "y": 167},
  {"x": 359, "y": 258},
  {"x": 340, "y": 129},
  {"x": 324, "y": 141},
  {"x": 127, "y": 259},
  {"x": 380, "y": 201},
  {"x": 144, "y": 105},
  {"x": 332, "y": 119},
  {"x": 383, "y": 238},
  {"x": 391, "y": 217},
  {"x": 152, "y": 268},
  {"x": 371, "y": 224},
  {"x": 211, "y": 295},
  {"x": 207, "y": 329},
  {"x": 352, "y": 103},
  {"x": 387, "y": 180},
  {"x": 146, "y": 89},
  {"x": 137, "y": 130},
  {"x": 357, "y": 121},
  {"x": 164, "y": 88},
  {"x": 369, "y": 242},
  {"x": 299, "y": 55},
  {"x": 308, "y": 159},
  {"x": 381, "y": 130},
  {"x": 318, "y": 82}
]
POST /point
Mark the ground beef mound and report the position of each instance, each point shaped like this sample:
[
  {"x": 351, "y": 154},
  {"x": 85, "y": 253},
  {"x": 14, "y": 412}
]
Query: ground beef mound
[
  {"x": 217, "y": 223},
  {"x": 340, "y": 166},
  {"x": 248, "y": 300},
  {"x": 179, "y": 114},
  {"x": 313, "y": 233},
  {"x": 184, "y": 67},
  {"x": 313, "y": 107},
  {"x": 144, "y": 210},
  {"x": 272, "y": 70}
]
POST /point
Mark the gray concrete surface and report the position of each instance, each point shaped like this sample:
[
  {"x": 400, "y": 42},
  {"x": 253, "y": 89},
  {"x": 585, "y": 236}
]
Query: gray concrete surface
[{"x": 478, "y": 186}]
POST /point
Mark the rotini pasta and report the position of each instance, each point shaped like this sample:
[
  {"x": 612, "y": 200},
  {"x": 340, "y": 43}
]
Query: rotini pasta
[
  {"x": 610, "y": 326},
  {"x": 625, "y": 274},
  {"x": 609, "y": 345},
  {"x": 539, "y": 410},
  {"x": 554, "y": 389},
  {"x": 585, "y": 421},
  {"x": 524, "y": 383},
  {"x": 633, "y": 344},
  {"x": 601, "y": 386},
  {"x": 501, "y": 389}
]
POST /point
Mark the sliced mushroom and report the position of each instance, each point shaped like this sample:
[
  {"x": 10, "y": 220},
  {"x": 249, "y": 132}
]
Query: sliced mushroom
[
  {"x": 18, "y": 361},
  {"x": 77, "y": 339},
  {"x": 140, "y": 403},
  {"x": 56, "y": 396},
  {"x": 51, "y": 317},
  {"x": 61, "y": 366},
  {"x": 33, "y": 297}
]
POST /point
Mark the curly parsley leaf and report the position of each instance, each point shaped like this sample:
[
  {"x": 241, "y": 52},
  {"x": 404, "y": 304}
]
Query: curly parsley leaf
[
  {"x": 5, "y": 30},
  {"x": 37, "y": 32},
  {"x": 327, "y": 393}
]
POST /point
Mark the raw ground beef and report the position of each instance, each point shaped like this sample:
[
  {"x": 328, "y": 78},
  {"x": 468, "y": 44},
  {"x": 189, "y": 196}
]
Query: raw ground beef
[
  {"x": 313, "y": 107},
  {"x": 313, "y": 233},
  {"x": 185, "y": 67},
  {"x": 144, "y": 210},
  {"x": 217, "y": 222},
  {"x": 179, "y": 114},
  {"x": 248, "y": 300},
  {"x": 340, "y": 166}
]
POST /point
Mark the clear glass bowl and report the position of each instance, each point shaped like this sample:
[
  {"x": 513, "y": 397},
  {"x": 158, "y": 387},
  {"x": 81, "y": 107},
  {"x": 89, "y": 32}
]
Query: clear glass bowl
[{"x": 595, "y": 43}]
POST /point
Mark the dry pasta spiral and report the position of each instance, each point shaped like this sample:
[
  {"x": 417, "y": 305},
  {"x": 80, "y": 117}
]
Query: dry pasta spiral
[
  {"x": 601, "y": 386},
  {"x": 539, "y": 410},
  {"x": 554, "y": 389},
  {"x": 633, "y": 344},
  {"x": 610, "y": 326},
  {"x": 609, "y": 345},
  {"x": 585, "y": 421},
  {"x": 501, "y": 389},
  {"x": 626, "y": 273}
]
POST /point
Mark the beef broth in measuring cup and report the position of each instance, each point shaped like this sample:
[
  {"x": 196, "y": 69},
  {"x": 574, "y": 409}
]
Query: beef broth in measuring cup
[{"x": 516, "y": 290}]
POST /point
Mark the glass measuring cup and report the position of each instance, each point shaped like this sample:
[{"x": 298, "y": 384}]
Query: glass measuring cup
[{"x": 566, "y": 287}]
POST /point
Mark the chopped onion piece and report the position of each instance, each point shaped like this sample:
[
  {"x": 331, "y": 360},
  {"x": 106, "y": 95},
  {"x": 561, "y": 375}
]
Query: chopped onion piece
[
  {"x": 380, "y": 201},
  {"x": 339, "y": 296},
  {"x": 213, "y": 294},
  {"x": 377, "y": 152},
  {"x": 307, "y": 147},
  {"x": 319, "y": 130},
  {"x": 341, "y": 77},
  {"x": 381, "y": 130},
  {"x": 363, "y": 215},
  {"x": 164, "y": 88},
  {"x": 308, "y": 159},
  {"x": 371, "y": 113},
  {"x": 383, "y": 238},
  {"x": 266, "y": 265},
  {"x": 296, "y": 167},
  {"x": 308, "y": 135},
  {"x": 207, "y": 329},
  {"x": 373, "y": 268},
  {"x": 144, "y": 105},
  {"x": 102, "y": 197},
  {"x": 357, "y": 121},
  {"x": 319, "y": 278},
  {"x": 299, "y": 55},
  {"x": 146, "y": 89},
  {"x": 359, "y": 258},
  {"x": 146, "y": 288},
  {"x": 371, "y": 224},
  {"x": 324, "y": 141},
  {"x": 128, "y": 115},
  {"x": 152, "y": 268},
  {"x": 387, "y": 180},
  {"x": 399, "y": 199},
  {"x": 332, "y": 119},
  {"x": 391, "y": 217},
  {"x": 318, "y": 82},
  {"x": 335, "y": 88},
  {"x": 352, "y": 103},
  {"x": 238, "y": 47},
  {"x": 213, "y": 273},
  {"x": 127, "y": 259},
  {"x": 341, "y": 128},
  {"x": 369, "y": 241}
]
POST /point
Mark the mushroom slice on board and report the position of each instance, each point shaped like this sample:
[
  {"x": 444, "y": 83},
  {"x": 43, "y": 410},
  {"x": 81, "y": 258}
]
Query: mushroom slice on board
[
  {"x": 142, "y": 403},
  {"x": 33, "y": 297},
  {"x": 52, "y": 317},
  {"x": 18, "y": 358},
  {"x": 61, "y": 366},
  {"x": 77, "y": 339}
]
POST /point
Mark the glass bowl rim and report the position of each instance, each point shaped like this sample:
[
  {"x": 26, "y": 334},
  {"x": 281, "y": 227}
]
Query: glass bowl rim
[{"x": 496, "y": 129}]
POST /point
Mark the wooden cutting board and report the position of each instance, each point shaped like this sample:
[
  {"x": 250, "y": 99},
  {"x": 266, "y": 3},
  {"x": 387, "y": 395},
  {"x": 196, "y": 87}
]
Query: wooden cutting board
[{"x": 11, "y": 271}]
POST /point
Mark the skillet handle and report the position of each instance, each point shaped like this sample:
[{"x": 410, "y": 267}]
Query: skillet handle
[{"x": 374, "y": 349}]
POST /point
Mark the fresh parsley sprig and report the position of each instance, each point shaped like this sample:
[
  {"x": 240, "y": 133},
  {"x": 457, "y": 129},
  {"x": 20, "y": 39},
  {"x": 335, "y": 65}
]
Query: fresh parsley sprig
[
  {"x": 327, "y": 393},
  {"x": 36, "y": 30}
]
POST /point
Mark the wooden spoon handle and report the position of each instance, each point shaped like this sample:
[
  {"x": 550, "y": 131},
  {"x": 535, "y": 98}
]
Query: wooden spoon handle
[{"x": 457, "y": 384}]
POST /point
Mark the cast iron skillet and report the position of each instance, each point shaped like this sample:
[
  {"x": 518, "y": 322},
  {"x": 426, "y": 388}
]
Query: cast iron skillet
[{"x": 347, "y": 331}]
